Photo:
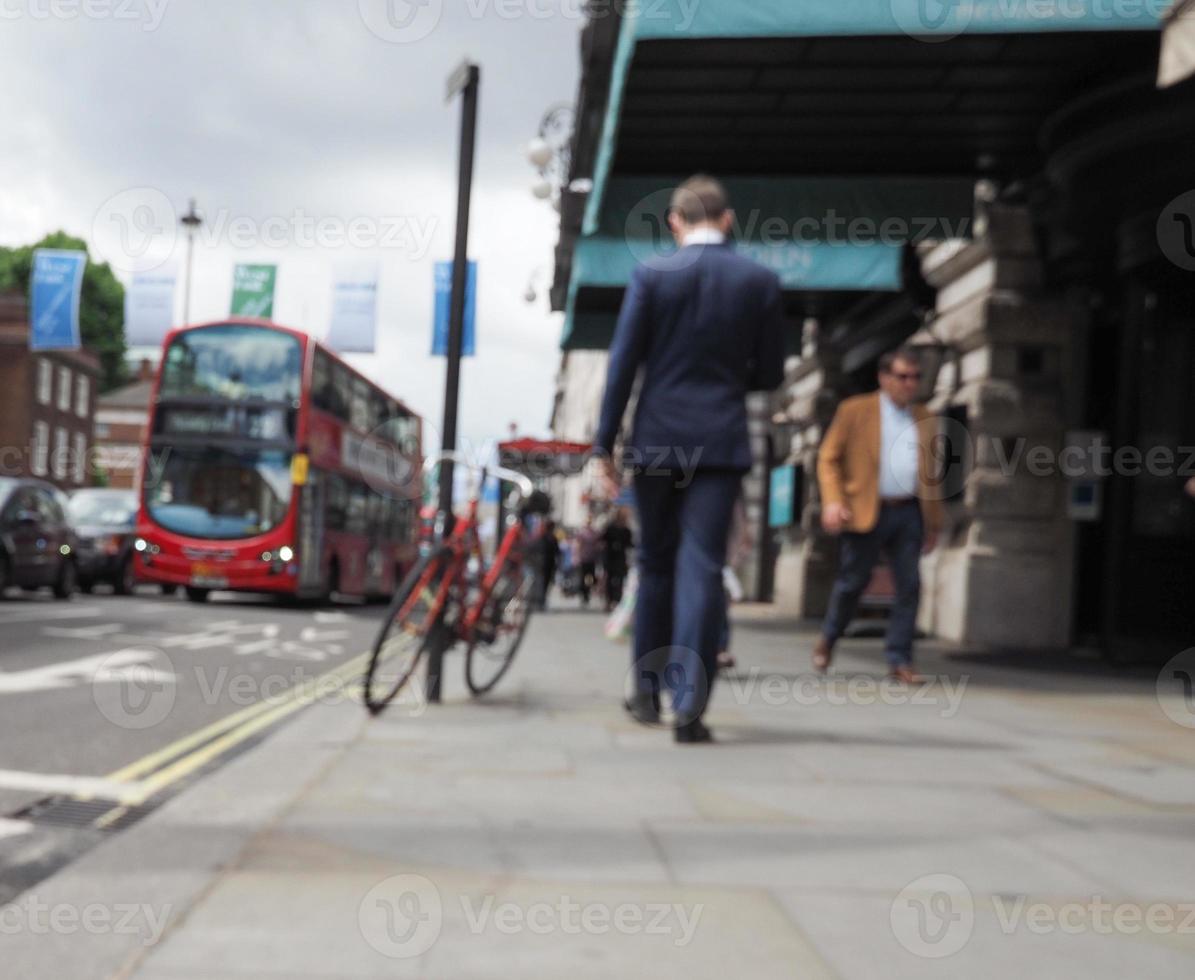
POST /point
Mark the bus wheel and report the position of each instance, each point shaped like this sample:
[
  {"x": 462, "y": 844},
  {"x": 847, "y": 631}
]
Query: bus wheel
[{"x": 197, "y": 595}]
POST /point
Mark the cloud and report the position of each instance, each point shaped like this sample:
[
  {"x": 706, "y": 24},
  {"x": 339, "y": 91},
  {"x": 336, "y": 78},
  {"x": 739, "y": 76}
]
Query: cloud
[{"x": 265, "y": 108}]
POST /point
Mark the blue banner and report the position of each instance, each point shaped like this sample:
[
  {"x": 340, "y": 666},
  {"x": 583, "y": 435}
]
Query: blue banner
[
  {"x": 55, "y": 288},
  {"x": 443, "y": 308}
]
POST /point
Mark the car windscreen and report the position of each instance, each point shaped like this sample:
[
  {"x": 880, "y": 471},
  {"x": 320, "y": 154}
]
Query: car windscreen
[{"x": 102, "y": 508}]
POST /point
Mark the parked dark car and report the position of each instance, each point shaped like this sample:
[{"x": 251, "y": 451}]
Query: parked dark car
[
  {"x": 103, "y": 521},
  {"x": 37, "y": 545}
]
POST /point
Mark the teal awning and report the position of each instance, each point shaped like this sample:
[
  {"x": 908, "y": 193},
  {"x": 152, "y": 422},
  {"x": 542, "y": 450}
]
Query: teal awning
[{"x": 703, "y": 21}]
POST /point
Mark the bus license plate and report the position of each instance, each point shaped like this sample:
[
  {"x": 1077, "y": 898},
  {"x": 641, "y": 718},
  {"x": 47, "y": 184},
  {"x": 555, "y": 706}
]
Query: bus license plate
[{"x": 203, "y": 576}]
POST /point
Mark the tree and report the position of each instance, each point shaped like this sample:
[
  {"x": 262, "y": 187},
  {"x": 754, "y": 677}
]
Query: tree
[{"x": 101, "y": 306}]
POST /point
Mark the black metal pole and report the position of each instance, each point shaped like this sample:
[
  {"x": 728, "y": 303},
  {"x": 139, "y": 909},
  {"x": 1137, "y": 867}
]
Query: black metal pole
[{"x": 466, "y": 80}]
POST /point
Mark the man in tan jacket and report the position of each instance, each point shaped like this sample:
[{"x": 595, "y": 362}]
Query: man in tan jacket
[{"x": 880, "y": 493}]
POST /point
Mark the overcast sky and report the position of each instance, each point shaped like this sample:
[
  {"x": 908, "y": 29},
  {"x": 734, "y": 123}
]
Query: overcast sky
[{"x": 276, "y": 114}]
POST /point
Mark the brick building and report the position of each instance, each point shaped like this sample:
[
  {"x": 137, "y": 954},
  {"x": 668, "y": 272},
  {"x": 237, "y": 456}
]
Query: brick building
[
  {"x": 121, "y": 421},
  {"x": 47, "y": 403}
]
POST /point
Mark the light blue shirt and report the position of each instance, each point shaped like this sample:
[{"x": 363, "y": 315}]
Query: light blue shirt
[{"x": 898, "y": 450}]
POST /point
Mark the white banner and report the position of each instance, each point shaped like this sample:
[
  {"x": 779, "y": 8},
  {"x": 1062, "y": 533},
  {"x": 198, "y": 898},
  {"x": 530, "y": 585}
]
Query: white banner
[
  {"x": 354, "y": 307},
  {"x": 149, "y": 307}
]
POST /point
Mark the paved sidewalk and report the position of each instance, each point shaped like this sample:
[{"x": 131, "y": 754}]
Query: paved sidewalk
[{"x": 1002, "y": 821}]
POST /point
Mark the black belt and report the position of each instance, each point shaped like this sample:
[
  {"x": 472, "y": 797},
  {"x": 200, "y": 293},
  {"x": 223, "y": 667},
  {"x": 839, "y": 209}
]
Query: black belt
[{"x": 897, "y": 501}]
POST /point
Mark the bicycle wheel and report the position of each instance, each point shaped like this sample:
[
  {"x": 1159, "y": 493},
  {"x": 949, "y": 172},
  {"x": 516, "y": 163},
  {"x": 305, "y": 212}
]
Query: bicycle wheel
[
  {"x": 412, "y": 625},
  {"x": 499, "y": 632}
]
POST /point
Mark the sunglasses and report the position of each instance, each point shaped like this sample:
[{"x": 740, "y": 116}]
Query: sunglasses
[{"x": 905, "y": 375}]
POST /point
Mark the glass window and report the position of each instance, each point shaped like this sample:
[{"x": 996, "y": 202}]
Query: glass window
[
  {"x": 64, "y": 389},
  {"x": 49, "y": 508},
  {"x": 358, "y": 509},
  {"x": 322, "y": 395},
  {"x": 80, "y": 458},
  {"x": 338, "y": 503},
  {"x": 82, "y": 396},
  {"x": 207, "y": 492},
  {"x": 233, "y": 361},
  {"x": 341, "y": 391},
  {"x": 45, "y": 381},
  {"x": 61, "y": 452},
  {"x": 359, "y": 411},
  {"x": 102, "y": 431},
  {"x": 103, "y": 508},
  {"x": 40, "y": 449}
]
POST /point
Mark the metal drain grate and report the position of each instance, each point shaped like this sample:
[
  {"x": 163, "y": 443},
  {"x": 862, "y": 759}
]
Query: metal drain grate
[{"x": 66, "y": 811}]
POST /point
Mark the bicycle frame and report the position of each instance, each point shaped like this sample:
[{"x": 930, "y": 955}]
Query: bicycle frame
[{"x": 465, "y": 543}]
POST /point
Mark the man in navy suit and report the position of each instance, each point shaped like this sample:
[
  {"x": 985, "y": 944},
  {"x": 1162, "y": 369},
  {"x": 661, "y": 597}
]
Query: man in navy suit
[{"x": 707, "y": 326}]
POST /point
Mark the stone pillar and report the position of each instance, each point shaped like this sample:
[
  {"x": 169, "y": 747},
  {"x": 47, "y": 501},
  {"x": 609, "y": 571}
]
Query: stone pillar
[{"x": 1002, "y": 576}]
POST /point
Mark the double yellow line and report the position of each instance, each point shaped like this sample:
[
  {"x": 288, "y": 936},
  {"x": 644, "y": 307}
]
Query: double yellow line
[{"x": 153, "y": 773}]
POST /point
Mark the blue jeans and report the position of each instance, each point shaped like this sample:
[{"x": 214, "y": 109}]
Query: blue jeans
[{"x": 898, "y": 534}]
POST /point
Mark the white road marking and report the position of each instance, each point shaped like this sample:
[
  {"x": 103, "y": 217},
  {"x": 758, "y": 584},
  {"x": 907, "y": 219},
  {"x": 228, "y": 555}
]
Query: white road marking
[
  {"x": 218, "y": 635},
  {"x": 47, "y": 612},
  {"x": 331, "y": 617},
  {"x": 310, "y": 634},
  {"x": 40, "y": 782},
  {"x": 102, "y": 668},
  {"x": 14, "y": 828},
  {"x": 97, "y": 632}
]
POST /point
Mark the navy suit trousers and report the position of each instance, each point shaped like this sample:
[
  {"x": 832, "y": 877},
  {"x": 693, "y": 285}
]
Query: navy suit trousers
[{"x": 680, "y": 607}]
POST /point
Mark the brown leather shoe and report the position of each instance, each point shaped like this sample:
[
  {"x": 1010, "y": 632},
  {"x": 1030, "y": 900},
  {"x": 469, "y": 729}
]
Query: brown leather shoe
[
  {"x": 823, "y": 653},
  {"x": 905, "y": 675}
]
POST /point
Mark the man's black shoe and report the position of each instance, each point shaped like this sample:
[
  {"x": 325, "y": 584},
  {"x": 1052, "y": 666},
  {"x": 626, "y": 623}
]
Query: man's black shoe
[
  {"x": 693, "y": 733},
  {"x": 644, "y": 708}
]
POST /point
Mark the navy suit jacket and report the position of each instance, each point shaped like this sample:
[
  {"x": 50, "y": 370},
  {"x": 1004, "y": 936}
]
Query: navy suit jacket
[{"x": 707, "y": 324}]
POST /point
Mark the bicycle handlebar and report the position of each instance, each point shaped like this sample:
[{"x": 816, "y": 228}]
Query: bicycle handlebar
[{"x": 522, "y": 482}]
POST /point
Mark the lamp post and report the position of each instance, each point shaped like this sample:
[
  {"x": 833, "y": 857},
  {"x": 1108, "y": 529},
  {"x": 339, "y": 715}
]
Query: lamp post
[
  {"x": 191, "y": 222},
  {"x": 465, "y": 82}
]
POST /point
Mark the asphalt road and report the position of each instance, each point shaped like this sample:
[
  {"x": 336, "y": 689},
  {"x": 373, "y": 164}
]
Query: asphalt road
[{"x": 117, "y": 701}]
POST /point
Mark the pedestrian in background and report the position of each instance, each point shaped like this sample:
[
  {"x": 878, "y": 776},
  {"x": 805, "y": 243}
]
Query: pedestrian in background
[
  {"x": 878, "y": 493},
  {"x": 617, "y": 542},
  {"x": 588, "y": 545},
  {"x": 707, "y": 326},
  {"x": 548, "y": 551}
]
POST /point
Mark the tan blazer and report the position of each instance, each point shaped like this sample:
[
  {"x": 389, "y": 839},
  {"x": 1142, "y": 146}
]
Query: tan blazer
[{"x": 848, "y": 463}]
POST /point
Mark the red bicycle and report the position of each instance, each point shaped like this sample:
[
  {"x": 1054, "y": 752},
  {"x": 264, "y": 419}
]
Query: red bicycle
[{"x": 452, "y": 596}]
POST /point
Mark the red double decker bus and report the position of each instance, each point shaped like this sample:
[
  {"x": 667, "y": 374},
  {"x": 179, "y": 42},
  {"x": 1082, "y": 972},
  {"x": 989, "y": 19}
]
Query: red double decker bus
[{"x": 273, "y": 466}]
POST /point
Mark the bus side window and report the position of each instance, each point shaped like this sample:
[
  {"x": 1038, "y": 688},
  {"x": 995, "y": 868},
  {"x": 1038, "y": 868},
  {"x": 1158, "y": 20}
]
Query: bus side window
[
  {"x": 321, "y": 382},
  {"x": 357, "y": 517},
  {"x": 341, "y": 392},
  {"x": 337, "y": 503}
]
